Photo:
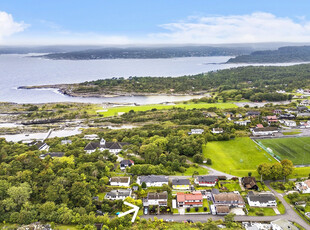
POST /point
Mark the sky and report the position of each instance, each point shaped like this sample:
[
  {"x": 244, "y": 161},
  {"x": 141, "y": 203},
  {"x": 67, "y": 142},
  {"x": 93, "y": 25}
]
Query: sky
[{"x": 122, "y": 22}]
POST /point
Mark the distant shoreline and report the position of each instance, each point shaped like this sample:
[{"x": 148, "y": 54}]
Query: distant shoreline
[{"x": 66, "y": 89}]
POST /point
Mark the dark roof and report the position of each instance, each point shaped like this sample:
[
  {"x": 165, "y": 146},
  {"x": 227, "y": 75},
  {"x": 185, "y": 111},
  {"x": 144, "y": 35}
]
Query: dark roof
[
  {"x": 126, "y": 162},
  {"x": 207, "y": 178},
  {"x": 107, "y": 145},
  {"x": 248, "y": 182},
  {"x": 180, "y": 182},
  {"x": 261, "y": 197},
  {"x": 157, "y": 196},
  {"x": 250, "y": 113},
  {"x": 120, "y": 179},
  {"x": 153, "y": 178}
]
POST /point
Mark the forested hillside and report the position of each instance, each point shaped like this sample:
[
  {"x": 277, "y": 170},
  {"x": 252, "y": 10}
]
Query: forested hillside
[
  {"x": 282, "y": 55},
  {"x": 259, "y": 79}
]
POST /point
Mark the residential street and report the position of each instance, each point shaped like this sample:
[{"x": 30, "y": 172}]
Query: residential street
[{"x": 290, "y": 214}]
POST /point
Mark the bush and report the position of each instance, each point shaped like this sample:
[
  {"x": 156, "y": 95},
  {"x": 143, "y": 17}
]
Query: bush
[
  {"x": 259, "y": 213},
  {"x": 188, "y": 209},
  {"x": 209, "y": 161},
  {"x": 205, "y": 209},
  {"x": 196, "y": 209},
  {"x": 198, "y": 158}
]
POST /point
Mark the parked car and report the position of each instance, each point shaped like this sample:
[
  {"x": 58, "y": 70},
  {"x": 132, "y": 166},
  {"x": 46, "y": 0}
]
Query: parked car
[
  {"x": 189, "y": 221},
  {"x": 169, "y": 220},
  {"x": 145, "y": 211}
]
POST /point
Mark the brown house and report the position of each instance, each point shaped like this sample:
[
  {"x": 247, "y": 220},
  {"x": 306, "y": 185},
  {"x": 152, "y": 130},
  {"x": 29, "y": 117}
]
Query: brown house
[{"x": 249, "y": 183}]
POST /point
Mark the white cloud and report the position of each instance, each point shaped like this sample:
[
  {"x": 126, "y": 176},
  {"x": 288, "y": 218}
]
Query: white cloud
[
  {"x": 8, "y": 26},
  {"x": 255, "y": 27}
]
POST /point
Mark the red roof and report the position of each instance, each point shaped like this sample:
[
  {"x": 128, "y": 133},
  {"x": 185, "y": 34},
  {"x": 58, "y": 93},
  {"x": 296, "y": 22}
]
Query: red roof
[
  {"x": 184, "y": 197},
  {"x": 259, "y": 126}
]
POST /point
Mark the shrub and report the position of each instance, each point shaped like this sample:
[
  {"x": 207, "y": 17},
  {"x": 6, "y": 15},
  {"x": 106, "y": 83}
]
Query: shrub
[
  {"x": 205, "y": 209},
  {"x": 196, "y": 209},
  {"x": 259, "y": 213},
  {"x": 188, "y": 209}
]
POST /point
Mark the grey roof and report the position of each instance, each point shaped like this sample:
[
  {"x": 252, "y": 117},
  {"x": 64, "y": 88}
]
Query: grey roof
[
  {"x": 120, "y": 179},
  {"x": 215, "y": 191},
  {"x": 107, "y": 145},
  {"x": 126, "y": 162},
  {"x": 157, "y": 196},
  {"x": 119, "y": 192},
  {"x": 153, "y": 178},
  {"x": 53, "y": 154},
  {"x": 207, "y": 178},
  {"x": 250, "y": 113},
  {"x": 261, "y": 197},
  {"x": 180, "y": 182}
]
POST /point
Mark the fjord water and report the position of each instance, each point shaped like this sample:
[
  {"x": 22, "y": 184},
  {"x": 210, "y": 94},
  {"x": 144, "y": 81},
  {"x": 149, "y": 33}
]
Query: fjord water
[{"x": 21, "y": 70}]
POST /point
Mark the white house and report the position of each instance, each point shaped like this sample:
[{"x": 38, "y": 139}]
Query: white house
[
  {"x": 91, "y": 137},
  {"x": 304, "y": 186},
  {"x": 158, "y": 199},
  {"x": 266, "y": 131},
  {"x": 120, "y": 181},
  {"x": 261, "y": 199},
  {"x": 113, "y": 147},
  {"x": 289, "y": 123},
  {"x": 305, "y": 103},
  {"x": 153, "y": 180},
  {"x": 119, "y": 194},
  {"x": 217, "y": 130},
  {"x": 66, "y": 142},
  {"x": 243, "y": 123},
  {"x": 209, "y": 181},
  {"x": 196, "y": 131}
]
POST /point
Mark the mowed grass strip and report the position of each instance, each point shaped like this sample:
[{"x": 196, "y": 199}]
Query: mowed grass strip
[
  {"x": 296, "y": 149},
  {"x": 125, "y": 109},
  {"x": 236, "y": 157}
]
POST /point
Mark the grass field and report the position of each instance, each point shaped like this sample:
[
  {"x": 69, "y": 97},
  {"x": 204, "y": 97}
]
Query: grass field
[
  {"x": 236, "y": 157},
  {"x": 189, "y": 171},
  {"x": 124, "y": 109},
  {"x": 296, "y": 149}
]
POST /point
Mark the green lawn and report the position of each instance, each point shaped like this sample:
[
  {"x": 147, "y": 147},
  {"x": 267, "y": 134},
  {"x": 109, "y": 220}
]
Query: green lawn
[
  {"x": 296, "y": 149},
  {"x": 115, "y": 110},
  {"x": 200, "y": 209},
  {"x": 101, "y": 196},
  {"x": 65, "y": 227},
  {"x": 230, "y": 185},
  {"x": 236, "y": 157},
  {"x": 300, "y": 172},
  {"x": 189, "y": 171},
  {"x": 257, "y": 211},
  {"x": 281, "y": 207}
]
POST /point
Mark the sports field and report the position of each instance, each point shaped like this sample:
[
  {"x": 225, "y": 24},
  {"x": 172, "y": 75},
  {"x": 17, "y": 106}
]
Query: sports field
[
  {"x": 236, "y": 157},
  {"x": 296, "y": 149},
  {"x": 124, "y": 109}
]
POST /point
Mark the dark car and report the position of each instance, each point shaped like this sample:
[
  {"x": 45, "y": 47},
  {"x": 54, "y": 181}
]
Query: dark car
[{"x": 189, "y": 221}]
